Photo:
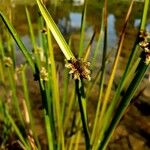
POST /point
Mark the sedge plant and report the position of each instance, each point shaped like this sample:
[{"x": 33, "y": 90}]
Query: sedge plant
[{"x": 66, "y": 114}]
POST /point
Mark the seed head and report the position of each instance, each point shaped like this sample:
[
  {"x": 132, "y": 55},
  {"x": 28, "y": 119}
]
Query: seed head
[
  {"x": 147, "y": 57},
  {"x": 8, "y": 61},
  {"x": 44, "y": 30},
  {"x": 143, "y": 35},
  {"x": 79, "y": 68},
  {"x": 144, "y": 43},
  {"x": 43, "y": 74},
  {"x": 19, "y": 69}
]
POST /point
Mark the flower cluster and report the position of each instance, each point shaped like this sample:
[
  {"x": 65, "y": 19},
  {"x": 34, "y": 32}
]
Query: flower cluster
[
  {"x": 8, "y": 61},
  {"x": 144, "y": 42},
  {"x": 19, "y": 69},
  {"x": 43, "y": 74},
  {"x": 79, "y": 68}
]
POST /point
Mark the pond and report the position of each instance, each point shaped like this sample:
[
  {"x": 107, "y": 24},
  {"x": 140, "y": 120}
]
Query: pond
[{"x": 68, "y": 15}]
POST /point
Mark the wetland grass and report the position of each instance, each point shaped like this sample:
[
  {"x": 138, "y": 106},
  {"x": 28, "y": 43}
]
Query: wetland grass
[{"x": 66, "y": 114}]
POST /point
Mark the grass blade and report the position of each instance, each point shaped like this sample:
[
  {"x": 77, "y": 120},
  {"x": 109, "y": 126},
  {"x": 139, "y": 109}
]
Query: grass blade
[
  {"x": 10, "y": 71},
  {"x": 82, "y": 106},
  {"x": 83, "y": 20},
  {"x": 17, "y": 130},
  {"x": 102, "y": 77},
  {"x": 48, "y": 131},
  {"x": 55, "y": 94},
  {"x": 124, "y": 103},
  {"x": 28, "y": 104},
  {"x": 145, "y": 12},
  {"x": 55, "y": 31},
  {"x": 15, "y": 36},
  {"x": 31, "y": 29},
  {"x": 88, "y": 49}
]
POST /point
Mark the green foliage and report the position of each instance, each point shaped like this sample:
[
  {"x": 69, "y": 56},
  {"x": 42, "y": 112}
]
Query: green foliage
[{"x": 65, "y": 112}]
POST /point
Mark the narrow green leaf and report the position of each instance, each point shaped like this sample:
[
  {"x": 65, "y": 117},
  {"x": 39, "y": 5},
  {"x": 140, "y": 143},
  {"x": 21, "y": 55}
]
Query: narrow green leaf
[
  {"x": 28, "y": 104},
  {"x": 31, "y": 29},
  {"x": 15, "y": 36},
  {"x": 124, "y": 103},
  {"x": 17, "y": 130},
  {"x": 83, "y": 111},
  {"x": 145, "y": 12},
  {"x": 48, "y": 131},
  {"x": 55, "y": 94},
  {"x": 55, "y": 31},
  {"x": 82, "y": 29},
  {"x": 88, "y": 49}
]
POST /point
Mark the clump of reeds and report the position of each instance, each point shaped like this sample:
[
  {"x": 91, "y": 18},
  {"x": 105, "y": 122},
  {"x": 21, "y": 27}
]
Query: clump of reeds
[{"x": 56, "y": 113}]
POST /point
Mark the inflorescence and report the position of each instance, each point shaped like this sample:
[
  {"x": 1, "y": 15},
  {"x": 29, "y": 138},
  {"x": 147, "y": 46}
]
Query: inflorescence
[
  {"x": 144, "y": 42},
  {"x": 79, "y": 68}
]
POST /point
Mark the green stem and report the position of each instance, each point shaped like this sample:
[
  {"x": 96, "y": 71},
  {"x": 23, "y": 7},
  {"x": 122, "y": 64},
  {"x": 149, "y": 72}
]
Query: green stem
[
  {"x": 83, "y": 19},
  {"x": 82, "y": 106},
  {"x": 27, "y": 100},
  {"x": 65, "y": 92},
  {"x": 102, "y": 77},
  {"x": 48, "y": 131},
  {"x": 102, "y": 122},
  {"x": 55, "y": 94},
  {"x": 15, "y": 99},
  {"x": 22, "y": 139},
  {"x": 55, "y": 31},
  {"x": 144, "y": 17},
  {"x": 69, "y": 109},
  {"x": 124, "y": 103},
  {"x": 18, "y": 41},
  {"x": 30, "y": 28},
  {"x": 130, "y": 66}
]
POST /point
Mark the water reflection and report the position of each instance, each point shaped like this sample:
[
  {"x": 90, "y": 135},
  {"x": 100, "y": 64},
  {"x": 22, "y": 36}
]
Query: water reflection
[
  {"x": 75, "y": 20},
  {"x": 148, "y": 27},
  {"x": 78, "y": 2},
  {"x": 112, "y": 38},
  {"x": 68, "y": 17}
]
